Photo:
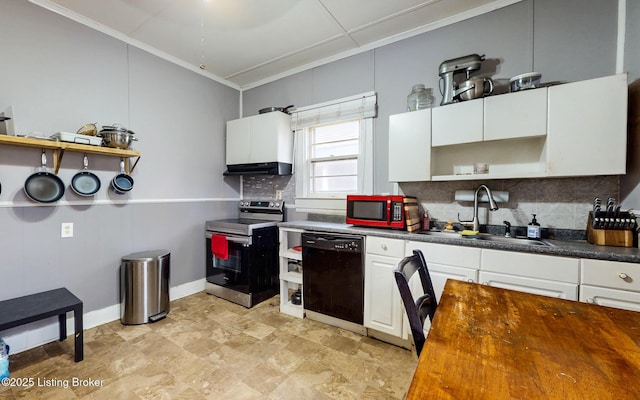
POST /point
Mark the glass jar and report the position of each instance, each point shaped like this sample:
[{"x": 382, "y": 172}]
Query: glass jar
[{"x": 419, "y": 98}]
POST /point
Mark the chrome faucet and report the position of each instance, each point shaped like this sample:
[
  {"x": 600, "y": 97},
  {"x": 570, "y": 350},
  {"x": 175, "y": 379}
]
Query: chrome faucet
[{"x": 492, "y": 206}]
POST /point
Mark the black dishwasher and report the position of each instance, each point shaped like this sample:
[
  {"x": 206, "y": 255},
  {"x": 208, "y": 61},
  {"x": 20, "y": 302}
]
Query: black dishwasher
[{"x": 333, "y": 275}]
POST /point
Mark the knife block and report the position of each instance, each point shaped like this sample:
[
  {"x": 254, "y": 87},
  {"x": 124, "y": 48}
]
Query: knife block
[{"x": 608, "y": 237}]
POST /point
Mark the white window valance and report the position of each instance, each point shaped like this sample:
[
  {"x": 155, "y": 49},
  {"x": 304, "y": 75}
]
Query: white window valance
[{"x": 345, "y": 109}]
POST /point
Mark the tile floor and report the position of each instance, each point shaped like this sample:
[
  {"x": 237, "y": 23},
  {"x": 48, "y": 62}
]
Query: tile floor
[{"x": 208, "y": 348}]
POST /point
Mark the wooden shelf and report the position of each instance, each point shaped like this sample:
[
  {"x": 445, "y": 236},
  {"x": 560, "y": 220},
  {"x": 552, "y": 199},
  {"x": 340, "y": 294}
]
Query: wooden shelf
[{"x": 60, "y": 147}]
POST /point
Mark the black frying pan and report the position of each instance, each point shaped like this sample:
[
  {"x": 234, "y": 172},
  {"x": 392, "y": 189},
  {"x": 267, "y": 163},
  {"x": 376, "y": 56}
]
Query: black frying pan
[
  {"x": 85, "y": 183},
  {"x": 43, "y": 186}
]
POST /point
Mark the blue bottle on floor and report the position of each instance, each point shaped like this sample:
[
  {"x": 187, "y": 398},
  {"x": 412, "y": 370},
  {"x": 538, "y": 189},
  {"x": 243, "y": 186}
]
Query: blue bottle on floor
[{"x": 4, "y": 360}]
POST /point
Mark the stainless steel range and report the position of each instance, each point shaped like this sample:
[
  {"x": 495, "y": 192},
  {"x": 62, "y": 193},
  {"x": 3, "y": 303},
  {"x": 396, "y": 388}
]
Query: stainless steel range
[{"x": 242, "y": 253}]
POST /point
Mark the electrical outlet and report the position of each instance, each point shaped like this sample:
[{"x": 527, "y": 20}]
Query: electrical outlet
[
  {"x": 278, "y": 194},
  {"x": 66, "y": 230}
]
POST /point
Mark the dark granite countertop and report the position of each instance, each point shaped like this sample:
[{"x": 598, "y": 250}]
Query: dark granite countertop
[{"x": 563, "y": 248}]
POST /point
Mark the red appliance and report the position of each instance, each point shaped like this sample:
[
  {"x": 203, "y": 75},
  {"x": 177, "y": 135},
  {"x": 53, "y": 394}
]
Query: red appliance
[{"x": 377, "y": 211}]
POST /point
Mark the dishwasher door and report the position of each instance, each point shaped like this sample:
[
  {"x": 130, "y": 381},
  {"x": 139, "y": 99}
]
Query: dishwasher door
[{"x": 333, "y": 275}]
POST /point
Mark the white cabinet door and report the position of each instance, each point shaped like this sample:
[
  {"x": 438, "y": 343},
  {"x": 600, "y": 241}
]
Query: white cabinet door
[
  {"x": 447, "y": 262},
  {"x": 457, "y": 123},
  {"x": 238, "y": 139},
  {"x": 382, "y": 304},
  {"x": 410, "y": 146},
  {"x": 532, "y": 273},
  {"x": 516, "y": 115},
  {"x": 610, "y": 297},
  {"x": 539, "y": 266},
  {"x": 542, "y": 287},
  {"x": 271, "y": 138},
  {"x": 440, "y": 273},
  {"x": 587, "y": 133},
  {"x": 260, "y": 138}
]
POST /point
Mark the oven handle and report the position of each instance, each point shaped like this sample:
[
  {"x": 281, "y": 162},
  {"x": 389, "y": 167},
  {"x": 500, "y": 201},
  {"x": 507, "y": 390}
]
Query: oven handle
[{"x": 235, "y": 239}]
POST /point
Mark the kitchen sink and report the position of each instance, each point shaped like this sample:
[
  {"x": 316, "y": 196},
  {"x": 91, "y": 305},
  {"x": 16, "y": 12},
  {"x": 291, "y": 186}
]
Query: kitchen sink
[{"x": 490, "y": 238}]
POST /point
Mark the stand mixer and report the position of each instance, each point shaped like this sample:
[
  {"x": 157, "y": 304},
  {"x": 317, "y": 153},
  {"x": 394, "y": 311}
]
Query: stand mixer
[{"x": 449, "y": 68}]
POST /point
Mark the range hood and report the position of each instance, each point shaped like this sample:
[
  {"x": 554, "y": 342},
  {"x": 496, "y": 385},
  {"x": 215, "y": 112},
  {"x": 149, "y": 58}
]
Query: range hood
[{"x": 268, "y": 168}]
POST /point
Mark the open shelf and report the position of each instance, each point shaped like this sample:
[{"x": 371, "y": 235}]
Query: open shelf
[
  {"x": 290, "y": 277},
  {"x": 60, "y": 147}
]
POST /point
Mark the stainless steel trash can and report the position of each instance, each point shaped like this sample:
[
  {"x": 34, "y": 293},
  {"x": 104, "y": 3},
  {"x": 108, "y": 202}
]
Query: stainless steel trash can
[{"x": 144, "y": 287}]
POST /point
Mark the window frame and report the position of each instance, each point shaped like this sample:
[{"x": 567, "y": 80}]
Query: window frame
[{"x": 333, "y": 203}]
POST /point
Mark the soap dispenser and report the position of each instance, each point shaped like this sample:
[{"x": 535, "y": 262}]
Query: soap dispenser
[{"x": 533, "y": 229}]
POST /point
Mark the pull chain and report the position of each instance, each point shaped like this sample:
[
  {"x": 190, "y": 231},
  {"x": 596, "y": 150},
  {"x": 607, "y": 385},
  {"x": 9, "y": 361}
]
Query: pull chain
[{"x": 202, "y": 64}]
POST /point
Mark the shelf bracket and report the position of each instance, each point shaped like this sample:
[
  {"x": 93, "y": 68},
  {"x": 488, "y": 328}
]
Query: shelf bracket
[
  {"x": 129, "y": 171},
  {"x": 57, "y": 159}
]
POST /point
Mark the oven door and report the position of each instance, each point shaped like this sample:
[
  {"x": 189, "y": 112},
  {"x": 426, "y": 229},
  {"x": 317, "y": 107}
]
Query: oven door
[{"x": 232, "y": 273}]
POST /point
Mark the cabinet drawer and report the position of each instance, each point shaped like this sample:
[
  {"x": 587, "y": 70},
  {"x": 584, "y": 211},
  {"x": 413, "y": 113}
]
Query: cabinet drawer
[
  {"x": 385, "y": 246},
  {"x": 561, "y": 290},
  {"x": 467, "y": 257},
  {"x": 531, "y": 265},
  {"x": 610, "y": 297},
  {"x": 613, "y": 274}
]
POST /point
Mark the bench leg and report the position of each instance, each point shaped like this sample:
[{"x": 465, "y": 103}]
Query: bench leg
[
  {"x": 62, "y": 322},
  {"x": 79, "y": 333}
]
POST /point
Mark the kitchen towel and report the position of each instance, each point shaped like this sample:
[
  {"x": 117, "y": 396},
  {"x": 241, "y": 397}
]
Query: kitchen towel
[{"x": 219, "y": 246}]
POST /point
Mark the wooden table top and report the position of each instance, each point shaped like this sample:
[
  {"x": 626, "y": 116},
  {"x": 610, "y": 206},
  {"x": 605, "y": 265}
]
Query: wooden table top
[{"x": 492, "y": 343}]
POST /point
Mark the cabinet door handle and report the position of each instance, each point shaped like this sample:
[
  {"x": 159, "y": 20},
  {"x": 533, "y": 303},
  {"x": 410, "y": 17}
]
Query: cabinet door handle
[
  {"x": 623, "y": 276},
  {"x": 384, "y": 247}
]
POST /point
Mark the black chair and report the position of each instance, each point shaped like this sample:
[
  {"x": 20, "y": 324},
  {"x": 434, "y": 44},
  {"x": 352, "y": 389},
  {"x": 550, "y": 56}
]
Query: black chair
[{"x": 425, "y": 306}]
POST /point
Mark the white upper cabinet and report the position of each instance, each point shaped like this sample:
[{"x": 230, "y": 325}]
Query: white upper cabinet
[
  {"x": 573, "y": 129},
  {"x": 259, "y": 139},
  {"x": 457, "y": 123},
  {"x": 516, "y": 115},
  {"x": 587, "y": 132},
  {"x": 410, "y": 146}
]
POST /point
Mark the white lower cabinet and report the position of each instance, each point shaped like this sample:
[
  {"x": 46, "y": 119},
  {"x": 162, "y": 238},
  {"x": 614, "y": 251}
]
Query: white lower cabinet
[
  {"x": 446, "y": 262},
  {"x": 607, "y": 283},
  {"x": 382, "y": 304},
  {"x": 610, "y": 283},
  {"x": 532, "y": 273},
  {"x": 610, "y": 297},
  {"x": 443, "y": 262}
]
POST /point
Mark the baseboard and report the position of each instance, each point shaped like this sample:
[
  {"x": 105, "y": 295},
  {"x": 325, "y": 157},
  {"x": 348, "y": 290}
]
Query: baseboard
[{"x": 38, "y": 333}]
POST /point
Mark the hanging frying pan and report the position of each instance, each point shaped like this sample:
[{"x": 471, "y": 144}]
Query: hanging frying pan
[
  {"x": 85, "y": 183},
  {"x": 43, "y": 186},
  {"x": 122, "y": 183}
]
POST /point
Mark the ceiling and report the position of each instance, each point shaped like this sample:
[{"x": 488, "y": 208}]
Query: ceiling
[{"x": 246, "y": 43}]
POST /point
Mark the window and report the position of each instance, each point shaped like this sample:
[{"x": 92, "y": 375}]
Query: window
[
  {"x": 334, "y": 147},
  {"x": 333, "y": 158}
]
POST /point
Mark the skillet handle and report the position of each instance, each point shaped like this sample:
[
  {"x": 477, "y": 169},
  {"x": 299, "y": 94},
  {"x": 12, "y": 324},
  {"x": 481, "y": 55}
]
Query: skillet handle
[{"x": 43, "y": 158}]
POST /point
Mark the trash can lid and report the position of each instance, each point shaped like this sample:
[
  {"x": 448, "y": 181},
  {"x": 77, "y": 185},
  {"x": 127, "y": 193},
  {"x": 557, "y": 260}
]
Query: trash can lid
[{"x": 146, "y": 255}]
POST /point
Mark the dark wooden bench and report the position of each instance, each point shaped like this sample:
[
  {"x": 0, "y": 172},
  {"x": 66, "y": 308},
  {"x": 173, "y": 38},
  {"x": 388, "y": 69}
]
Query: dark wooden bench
[{"x": 34, "y": 307}]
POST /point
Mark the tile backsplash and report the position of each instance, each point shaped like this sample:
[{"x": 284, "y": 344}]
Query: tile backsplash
[{"x": 559, "y": 203}]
